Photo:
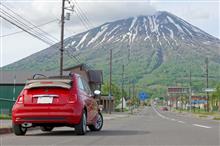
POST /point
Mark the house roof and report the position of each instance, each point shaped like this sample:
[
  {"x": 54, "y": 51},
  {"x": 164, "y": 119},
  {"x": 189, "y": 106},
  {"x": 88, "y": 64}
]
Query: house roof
[
  {"x": 94, "y": 76},
  {"x": 81, "y": 66},
  {"x": 20, "y": 77}
]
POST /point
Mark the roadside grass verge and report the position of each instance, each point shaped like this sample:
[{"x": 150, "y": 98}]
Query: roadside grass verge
[
  {"x": 5, "y": 117},
  {"x": 201, "y": 113}
]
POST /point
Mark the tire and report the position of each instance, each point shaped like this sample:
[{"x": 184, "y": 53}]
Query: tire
[
  {"x": 19, "y": 130},
  {"x": 98, "y": 124},
  {"x": 81, "y": 128},
  {"x": 46, "y": 128}
]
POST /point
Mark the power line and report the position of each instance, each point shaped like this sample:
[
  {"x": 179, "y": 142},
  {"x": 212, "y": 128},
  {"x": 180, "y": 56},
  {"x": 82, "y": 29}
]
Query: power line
[
  {"x": 32, "y": 34},
  {"x": 13, "y": 20},
  {"x": 82, "y": 16},
  {"x": 83, "y": 13},
  {"x": 10, "y": 34},
  {"x": 44, "y": 32}
]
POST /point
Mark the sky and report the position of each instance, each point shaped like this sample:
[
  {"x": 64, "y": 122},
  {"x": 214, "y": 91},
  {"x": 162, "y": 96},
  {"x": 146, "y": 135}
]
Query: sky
[{"x": 201, "y": 13}]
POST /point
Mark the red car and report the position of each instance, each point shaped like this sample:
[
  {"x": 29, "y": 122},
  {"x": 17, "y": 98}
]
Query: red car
[
  {"x": 57, "y": 101},
  {"x": 164, "y": 108}
]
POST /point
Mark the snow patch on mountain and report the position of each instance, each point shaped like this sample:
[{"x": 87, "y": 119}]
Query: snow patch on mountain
[
  {"x": 100, "y": 33},
  {"x": 82, "y": 40},
  {"x": 133, "y": 23}
]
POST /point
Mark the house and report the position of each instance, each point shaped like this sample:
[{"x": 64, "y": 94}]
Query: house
[{"x": 93, "y": 77}]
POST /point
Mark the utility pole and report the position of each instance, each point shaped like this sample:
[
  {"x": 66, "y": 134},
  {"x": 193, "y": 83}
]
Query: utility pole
[
  {"x": 122, "y": 88},
  {"x": 110, "y": 81},
  {"x": 61, "y": 39},
  {"x": 190, "y": 89},
  {"x": 133, "y": 87},
  {"x": 129, "y": 89},
  {"x": 207, "y": 81}
]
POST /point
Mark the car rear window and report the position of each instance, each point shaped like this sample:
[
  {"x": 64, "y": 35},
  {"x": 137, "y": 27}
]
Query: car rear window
[{"x": 62, "y": 83}]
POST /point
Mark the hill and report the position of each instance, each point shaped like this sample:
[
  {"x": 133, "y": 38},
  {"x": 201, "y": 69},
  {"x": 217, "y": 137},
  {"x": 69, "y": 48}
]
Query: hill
[{"x": 157, "y": 50}]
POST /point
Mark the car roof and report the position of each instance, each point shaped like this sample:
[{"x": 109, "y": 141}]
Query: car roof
[{"x": 53, "y": 81}]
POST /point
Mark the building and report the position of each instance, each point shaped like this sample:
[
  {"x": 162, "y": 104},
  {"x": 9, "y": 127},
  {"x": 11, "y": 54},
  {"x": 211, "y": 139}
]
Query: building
[
  {"x": 106, "y": 103},
  {"x": 199, "y": 101},
  {"x": 93, "y": 77},
  {"x": 11, "y": 84}
]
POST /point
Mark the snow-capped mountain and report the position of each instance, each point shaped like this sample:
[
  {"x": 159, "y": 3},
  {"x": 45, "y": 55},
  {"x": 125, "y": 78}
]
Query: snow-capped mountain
[
  {"x": 156, "y": 49},
  {"x": 162, "y": 26}
]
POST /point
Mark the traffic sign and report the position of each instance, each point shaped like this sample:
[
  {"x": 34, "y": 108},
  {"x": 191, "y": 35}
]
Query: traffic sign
[
  {"x": 210, "y": 90},
  {"x": 143, "y": 96}
]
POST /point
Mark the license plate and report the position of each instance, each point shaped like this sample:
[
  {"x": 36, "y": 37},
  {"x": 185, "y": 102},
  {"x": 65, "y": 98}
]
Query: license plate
[{"x": 44, "y": 100}]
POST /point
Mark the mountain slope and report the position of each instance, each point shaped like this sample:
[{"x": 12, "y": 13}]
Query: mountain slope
[{"x": 157, "y": 49}]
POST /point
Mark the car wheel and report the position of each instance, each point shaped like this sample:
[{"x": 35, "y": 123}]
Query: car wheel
[
  {"x": 46, "y": 128},
  {"x": 81, "y": 128},
  {"x": 18, "y": 129},
  {"x": 98, "y": 124}
]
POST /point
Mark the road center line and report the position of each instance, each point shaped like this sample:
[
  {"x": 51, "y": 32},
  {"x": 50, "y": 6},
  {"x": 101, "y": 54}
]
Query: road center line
[
  {"x": 201, "y": 126},
  {"x": 164, "y": 117},
  {"x": 158, "y": 113}
]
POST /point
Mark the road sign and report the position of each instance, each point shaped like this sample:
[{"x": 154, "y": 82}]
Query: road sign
[
  {"x": 143, "y": 96},
  {"x": 210, "y": 90}
]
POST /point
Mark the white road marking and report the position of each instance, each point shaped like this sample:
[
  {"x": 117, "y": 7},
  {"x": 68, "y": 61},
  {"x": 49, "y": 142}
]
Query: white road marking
[
  {"x": 164, "y": 117},
  {"x": 201, "y": 126},
  {"x": 158, "y": 113},
  {"x": 181, "y": 122}
]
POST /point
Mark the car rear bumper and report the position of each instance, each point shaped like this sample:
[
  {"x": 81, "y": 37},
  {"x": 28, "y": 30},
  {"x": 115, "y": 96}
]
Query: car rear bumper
[
  {"x": 40, "y": 118},
  {"x": 36, "y": 115}
]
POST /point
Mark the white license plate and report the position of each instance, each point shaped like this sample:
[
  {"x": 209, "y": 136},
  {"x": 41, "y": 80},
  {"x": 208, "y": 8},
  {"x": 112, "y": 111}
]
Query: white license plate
[{"x": 44, "y": 100}]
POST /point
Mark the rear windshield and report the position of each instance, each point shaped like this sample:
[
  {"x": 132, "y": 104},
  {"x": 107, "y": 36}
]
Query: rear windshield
[{"x": 62, "y": 83}]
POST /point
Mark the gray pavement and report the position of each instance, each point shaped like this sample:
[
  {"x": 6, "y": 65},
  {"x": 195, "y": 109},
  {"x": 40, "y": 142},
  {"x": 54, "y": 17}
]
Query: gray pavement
[
  {"x": 5, "y": 123},
  {"x": 148, "y": 127}
]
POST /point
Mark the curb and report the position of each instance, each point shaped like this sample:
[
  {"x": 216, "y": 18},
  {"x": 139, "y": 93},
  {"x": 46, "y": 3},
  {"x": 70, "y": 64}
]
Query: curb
[
  {"x": 5, "y": 130},
  {"x": 115, "y": 117},
  {"x": 10, "y": 130}
]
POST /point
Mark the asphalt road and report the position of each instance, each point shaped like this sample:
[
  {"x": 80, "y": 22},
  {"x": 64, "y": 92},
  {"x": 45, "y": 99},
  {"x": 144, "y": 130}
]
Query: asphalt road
[{"x": 148, "y": 127}]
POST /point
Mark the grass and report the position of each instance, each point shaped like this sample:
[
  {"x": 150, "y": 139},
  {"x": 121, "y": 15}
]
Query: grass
[
  {"x": 5, "y": 117},
  {"x": 216, "y": 118},
  {"x": 201, "y": 113}
]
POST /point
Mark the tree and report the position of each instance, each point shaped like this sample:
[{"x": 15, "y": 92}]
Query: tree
[
  {"x": 216, "y": 95},
  {"x": 116, "y": 92}
]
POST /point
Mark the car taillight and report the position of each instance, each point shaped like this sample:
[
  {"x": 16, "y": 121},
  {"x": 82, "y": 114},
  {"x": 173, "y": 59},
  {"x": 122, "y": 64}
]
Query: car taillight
[
  {"x": 73, "y": 98},
  {"x": 20, "y": 99}
]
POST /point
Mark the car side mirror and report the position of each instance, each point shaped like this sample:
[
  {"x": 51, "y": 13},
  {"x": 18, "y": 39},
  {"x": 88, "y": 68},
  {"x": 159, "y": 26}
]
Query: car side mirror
[{"x": 97, "y": 92}]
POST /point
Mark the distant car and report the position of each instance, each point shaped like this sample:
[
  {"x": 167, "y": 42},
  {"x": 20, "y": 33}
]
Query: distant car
[
  {"x": 164, "y": 108},
  {"x": 57, "y": 101}
]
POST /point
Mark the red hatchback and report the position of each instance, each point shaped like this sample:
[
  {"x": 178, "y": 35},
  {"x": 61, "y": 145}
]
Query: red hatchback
[{"x": 57, "y": 101}]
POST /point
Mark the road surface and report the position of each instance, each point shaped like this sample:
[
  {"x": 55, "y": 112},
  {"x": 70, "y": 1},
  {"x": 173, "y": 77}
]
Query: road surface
[{"x": 148, "y": 127}]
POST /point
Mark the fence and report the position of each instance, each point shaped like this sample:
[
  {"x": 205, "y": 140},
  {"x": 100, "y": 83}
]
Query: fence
[{"x": 6, "y": 106}]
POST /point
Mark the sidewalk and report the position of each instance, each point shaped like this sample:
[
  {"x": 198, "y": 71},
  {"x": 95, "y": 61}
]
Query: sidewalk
[
  {"x": 115, "y": 115},
  {"x": 5, "y": 125}
]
